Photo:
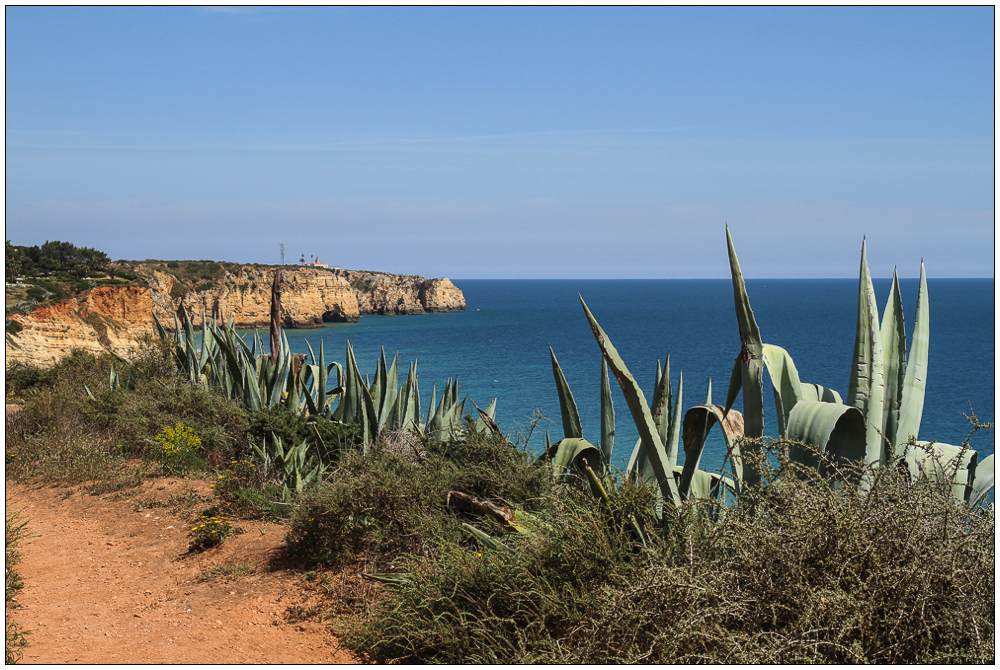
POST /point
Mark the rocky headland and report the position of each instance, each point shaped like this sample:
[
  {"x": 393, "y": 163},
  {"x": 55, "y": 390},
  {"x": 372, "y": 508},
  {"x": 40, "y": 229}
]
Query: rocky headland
[{"x": 112, "y": 317}]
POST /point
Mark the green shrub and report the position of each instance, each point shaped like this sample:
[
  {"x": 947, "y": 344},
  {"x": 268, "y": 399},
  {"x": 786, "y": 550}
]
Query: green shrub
[
  {"x": 393, "y": 501},
  {"x": 135, "y": 417},
  {"x": 330, "y": 438},
  {"x": 35, "y": 293},
  {"x": 801, "y": 572},
  {"x": 179, "y": 446},
  {"x": 211, "y": 531},
  {"x": 242, "y": 489},
  {"x": 63, "y": 434}
]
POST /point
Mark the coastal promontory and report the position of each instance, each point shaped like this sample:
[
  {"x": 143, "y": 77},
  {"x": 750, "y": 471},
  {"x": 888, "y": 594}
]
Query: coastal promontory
[{"x": 114, "y": 317}]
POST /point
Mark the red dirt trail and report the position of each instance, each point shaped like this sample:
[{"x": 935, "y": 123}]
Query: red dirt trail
[{"x": 104, "y": 583}]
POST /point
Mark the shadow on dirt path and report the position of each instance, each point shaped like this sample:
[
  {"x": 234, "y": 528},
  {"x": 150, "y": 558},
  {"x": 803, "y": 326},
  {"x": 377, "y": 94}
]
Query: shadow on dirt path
[{"x": 110, "y": 580}]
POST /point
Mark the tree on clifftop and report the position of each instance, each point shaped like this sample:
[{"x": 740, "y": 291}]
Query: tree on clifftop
[{"x": 53, "y": 257}]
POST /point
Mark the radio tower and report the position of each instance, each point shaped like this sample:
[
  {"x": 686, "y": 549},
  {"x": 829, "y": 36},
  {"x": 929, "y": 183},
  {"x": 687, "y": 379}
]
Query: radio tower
[{"x": 282, "y": 253}]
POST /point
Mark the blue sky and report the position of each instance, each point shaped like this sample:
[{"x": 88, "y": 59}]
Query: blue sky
[{"x": 509, "y": 142}]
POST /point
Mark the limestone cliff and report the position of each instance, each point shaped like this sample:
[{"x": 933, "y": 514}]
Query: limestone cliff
[
  {"x": 107, "y": 318},
  {"x": 308, "y": 298},
  {"x": 112, "y": 317},
  {"x": 383, "y": 293}
]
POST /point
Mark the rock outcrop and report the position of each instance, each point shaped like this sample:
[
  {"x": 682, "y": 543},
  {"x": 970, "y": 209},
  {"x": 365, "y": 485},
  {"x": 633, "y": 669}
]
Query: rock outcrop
[
  {"x": 107, "y": 318},
  {"x": 113, "y": 317},
  {"x": 309, "y": 297},
  {"x": 383, "y": 293}
]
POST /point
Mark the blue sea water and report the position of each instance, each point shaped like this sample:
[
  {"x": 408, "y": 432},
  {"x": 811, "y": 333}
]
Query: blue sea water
[{"x": 499, "y": 347}]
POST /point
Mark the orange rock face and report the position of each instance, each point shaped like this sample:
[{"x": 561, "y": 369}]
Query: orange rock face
[
  {"x": 108, "y": 318},
  {"x": 309, "y": 297}
]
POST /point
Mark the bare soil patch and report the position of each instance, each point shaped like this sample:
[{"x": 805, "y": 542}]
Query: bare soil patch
[{"x": 108, "y": 582}]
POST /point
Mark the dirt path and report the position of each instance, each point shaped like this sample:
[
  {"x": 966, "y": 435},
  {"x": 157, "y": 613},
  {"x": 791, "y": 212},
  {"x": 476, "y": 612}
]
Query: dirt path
[{"x": 105, "y": 583}]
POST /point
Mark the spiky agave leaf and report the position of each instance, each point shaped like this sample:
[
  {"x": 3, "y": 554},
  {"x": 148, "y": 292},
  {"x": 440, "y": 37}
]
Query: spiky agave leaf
[
  {"x": 567, "y": 405},
  {"x": 893, "y": 335},
  {"x": 698, "y": 421},
  {"x": 569, "y": 452},
  {"x": 983, "y": 480},
  {"x": 643, "y": 418},
  {"x": 867, "y": 382},
  {"x": 911, "y": 406},
  {"x": 946, "y": 464},
  {"x": 607, "y": 416},
  {"x": 837, "y": 430},
  {"x": 748, "y": 372}
]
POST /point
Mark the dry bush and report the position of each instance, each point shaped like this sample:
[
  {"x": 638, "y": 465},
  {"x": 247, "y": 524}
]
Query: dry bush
[{"x": 804, "y": 571}]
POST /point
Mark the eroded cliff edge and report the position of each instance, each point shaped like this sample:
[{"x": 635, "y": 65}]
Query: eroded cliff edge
[{"x": 115, "y": 317}]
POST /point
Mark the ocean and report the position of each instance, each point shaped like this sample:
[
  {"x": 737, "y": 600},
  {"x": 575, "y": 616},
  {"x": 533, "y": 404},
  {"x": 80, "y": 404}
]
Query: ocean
[{"x": 499, "y": 346}]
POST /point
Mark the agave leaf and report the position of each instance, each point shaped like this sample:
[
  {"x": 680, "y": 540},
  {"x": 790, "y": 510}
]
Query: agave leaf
[
  {"x": 350, "y": 402},
  {"x": 867, "y": 383},
  {"x": 451, "y": 421},
  {"x": 662, "y": 405},
  {"x": 391, "y": 389},
  {"x": 667, "y": 419},
  {"x": 485, "y": 419},
  {"x": 698, "y": 421},
  {"x": 321, "y": 379},
  {"x": 431, "y": 407},
  {"x": 408, "y": 404},
  {"x": 702, "y": 485},
  {"x": 159, "y": 328},
  {"x": 377, "y": 389},
  {"x": 391, "y": 578},
  {"x": 189, "y": 347},
  {"x": 369, "y": 417},
  {"x": 311, "y": 374},
  {"x": 568, "y": 453},
  {"x": 946, "y": 464},
  {"x": 820, "y": 393},
  {"x": 674, "y": 429},
  {"x": 206, "y": 342},
  {"x": 596, "y": 487},
  {"x": 784, "y": 381},
  {"x": 275, "y": 383},
  {"x": 837, "y": 430},
  {"x": 567, "y": 405},
  {"x": 983, "y": 481},
  {"x": 751, "y": 366},
  {"x": 488, "y": 541},
  {"x": 893, "y": 335},
  {"x": 607, "y": 415},
  {"x": 911, "y": 406},
  {"x": 643, "y": 418}
]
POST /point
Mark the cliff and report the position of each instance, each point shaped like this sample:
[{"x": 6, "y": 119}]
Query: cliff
[
  {"x": 383, "y": 293},
  {"x": 113, "y": 317},
  {"x": 107, "y": 318}
]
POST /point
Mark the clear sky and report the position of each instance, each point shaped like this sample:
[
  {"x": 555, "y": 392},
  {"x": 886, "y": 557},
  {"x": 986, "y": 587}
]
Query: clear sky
[{"x": 508, "y": 142}]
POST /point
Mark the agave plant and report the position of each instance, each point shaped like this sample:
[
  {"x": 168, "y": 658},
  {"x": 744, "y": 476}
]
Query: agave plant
[
  {"x": 295, "y": 467},
  {"x": 654, "y": 459},
  {"x": 384, "y": 405},
  {"x": 880, "y": 421}
]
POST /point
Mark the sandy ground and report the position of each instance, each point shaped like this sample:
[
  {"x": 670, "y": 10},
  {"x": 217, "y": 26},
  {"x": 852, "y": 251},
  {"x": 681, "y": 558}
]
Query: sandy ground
[{"x": 105, "y": 583}]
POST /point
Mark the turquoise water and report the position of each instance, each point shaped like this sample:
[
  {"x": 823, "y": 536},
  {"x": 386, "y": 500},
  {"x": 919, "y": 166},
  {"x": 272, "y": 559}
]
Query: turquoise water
[{"x": 499, "y": 347}]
